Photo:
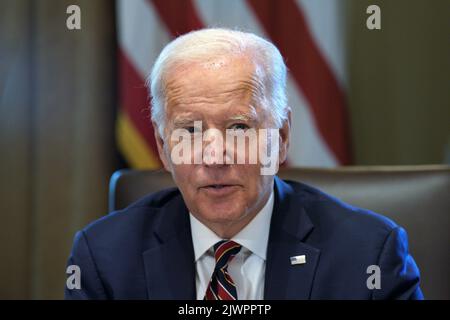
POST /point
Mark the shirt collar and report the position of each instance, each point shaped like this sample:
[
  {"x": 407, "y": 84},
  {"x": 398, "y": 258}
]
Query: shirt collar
[{"x": 254, "y": 236}]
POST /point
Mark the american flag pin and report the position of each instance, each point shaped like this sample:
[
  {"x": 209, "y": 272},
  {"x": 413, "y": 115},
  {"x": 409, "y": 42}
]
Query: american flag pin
[{"x": 298, "y": 260}]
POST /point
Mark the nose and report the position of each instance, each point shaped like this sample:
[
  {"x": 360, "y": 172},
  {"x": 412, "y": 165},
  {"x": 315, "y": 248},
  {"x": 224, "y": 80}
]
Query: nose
[{"x": 214, "y": 150}]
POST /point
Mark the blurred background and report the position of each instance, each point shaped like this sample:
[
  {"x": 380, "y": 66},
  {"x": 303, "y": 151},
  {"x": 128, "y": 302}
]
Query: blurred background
[{"x": 74, "y": 108}]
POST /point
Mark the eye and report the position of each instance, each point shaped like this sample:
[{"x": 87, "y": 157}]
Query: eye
[
  {"x": 239, "y": 126},
  {"x": 190, "y": 129}
]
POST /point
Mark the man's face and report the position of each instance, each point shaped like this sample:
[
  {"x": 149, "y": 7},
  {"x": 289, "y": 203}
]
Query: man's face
[{"x": 222, "y": 94}]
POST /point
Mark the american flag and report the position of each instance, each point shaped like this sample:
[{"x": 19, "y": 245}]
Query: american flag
[{"x": 309, "y": 34}]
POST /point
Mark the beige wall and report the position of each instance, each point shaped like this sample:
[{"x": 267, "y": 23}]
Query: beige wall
[
  {"x": 56, "y": 136},
  {"x": 399, "y": 95},
  {"x": 57, "y": 100}
]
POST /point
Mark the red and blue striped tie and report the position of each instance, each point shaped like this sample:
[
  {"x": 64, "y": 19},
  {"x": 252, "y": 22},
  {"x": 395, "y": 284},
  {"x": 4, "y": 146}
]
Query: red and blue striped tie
[{"x": 221, "y": 286}]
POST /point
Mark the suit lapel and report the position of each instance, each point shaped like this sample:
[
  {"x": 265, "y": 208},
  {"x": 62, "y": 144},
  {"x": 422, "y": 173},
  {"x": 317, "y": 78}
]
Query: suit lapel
[
  {"x": 170, "y": 263},
  {"x": 290, "y": 225}
]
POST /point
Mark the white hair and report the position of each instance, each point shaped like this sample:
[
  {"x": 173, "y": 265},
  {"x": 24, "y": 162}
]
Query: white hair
[{"x": 201, "y": 45}]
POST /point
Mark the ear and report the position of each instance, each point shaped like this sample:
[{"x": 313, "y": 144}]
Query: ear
[
  {"x": 160, "y": 143},
  {"x": 285, "y": 137}
]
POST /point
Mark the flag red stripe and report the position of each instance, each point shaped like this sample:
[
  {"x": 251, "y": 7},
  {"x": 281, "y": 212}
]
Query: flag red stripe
[
  {"x": 180, "y": 16},
  {"x": 286, "y": 26},
  {"x": 135, "y": 101}
]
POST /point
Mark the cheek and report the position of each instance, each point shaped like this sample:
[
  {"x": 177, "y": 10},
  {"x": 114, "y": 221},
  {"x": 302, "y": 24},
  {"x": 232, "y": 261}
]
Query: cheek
[
  {"x": 182, "y": 174},
  {"x": 251, "y": 175}
]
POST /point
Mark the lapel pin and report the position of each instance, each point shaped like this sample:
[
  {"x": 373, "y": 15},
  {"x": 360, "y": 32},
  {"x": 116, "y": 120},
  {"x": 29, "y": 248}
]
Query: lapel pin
[{"x": 298, "y": 260}]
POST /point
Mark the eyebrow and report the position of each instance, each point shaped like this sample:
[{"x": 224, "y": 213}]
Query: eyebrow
[
  {"x": 242, "y": 117},
  {"x": 189, "y": 119},
  {"x": 248, "y": 116},
  {"x": 183, "y": 121}
]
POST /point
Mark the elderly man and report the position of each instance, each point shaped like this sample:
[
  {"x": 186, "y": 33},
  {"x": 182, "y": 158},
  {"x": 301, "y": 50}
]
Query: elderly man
[{"x": 231, "y": 230}]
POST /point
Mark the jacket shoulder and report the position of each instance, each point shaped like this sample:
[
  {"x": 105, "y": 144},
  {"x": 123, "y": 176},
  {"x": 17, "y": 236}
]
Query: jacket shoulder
[
  {"x": 351, "y": 239},
  {"x": 143, "y": 212},
  {"x": 328, "y": 211}
]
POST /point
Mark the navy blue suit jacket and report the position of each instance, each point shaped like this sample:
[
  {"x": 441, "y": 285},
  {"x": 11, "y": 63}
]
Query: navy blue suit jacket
[{"x": 145, "y": 251}]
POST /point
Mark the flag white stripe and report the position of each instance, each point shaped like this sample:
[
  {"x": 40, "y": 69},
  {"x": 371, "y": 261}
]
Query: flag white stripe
[
  {"x": 142, "y": 35},
  {"x": 325, "y": 19},
  {"x": 307, "y": 146}
]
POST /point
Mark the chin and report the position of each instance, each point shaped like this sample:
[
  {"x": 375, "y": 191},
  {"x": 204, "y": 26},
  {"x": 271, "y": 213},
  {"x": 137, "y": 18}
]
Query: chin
[{"x": 222, "y": 213}]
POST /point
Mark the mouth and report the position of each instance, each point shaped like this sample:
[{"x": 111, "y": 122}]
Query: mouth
[
  {"x": 218, "y": 186},
  {"x": 220, "y": 189}
]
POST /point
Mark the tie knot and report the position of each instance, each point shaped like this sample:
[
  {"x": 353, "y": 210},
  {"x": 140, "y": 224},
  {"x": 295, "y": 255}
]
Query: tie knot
[{"x": 224, "y": 252}]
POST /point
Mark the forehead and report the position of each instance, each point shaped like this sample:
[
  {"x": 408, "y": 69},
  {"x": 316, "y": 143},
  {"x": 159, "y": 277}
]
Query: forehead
[
  {"x": 217, "y": 69},
  {"x": 217, "y": 81}
]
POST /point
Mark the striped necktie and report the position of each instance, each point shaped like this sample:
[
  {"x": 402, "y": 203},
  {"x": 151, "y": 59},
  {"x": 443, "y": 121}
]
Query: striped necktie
[{"x": 221, "y": 286}]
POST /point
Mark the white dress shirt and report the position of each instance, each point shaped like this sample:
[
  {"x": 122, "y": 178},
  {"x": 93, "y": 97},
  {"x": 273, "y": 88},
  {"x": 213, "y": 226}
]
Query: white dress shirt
[{"x": 247, "y": 269}]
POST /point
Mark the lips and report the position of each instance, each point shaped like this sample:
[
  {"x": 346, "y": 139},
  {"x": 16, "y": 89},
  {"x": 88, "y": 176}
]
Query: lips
[
  {"x": 219, "y": 190},
  {"x": 218, "y": 186}
]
